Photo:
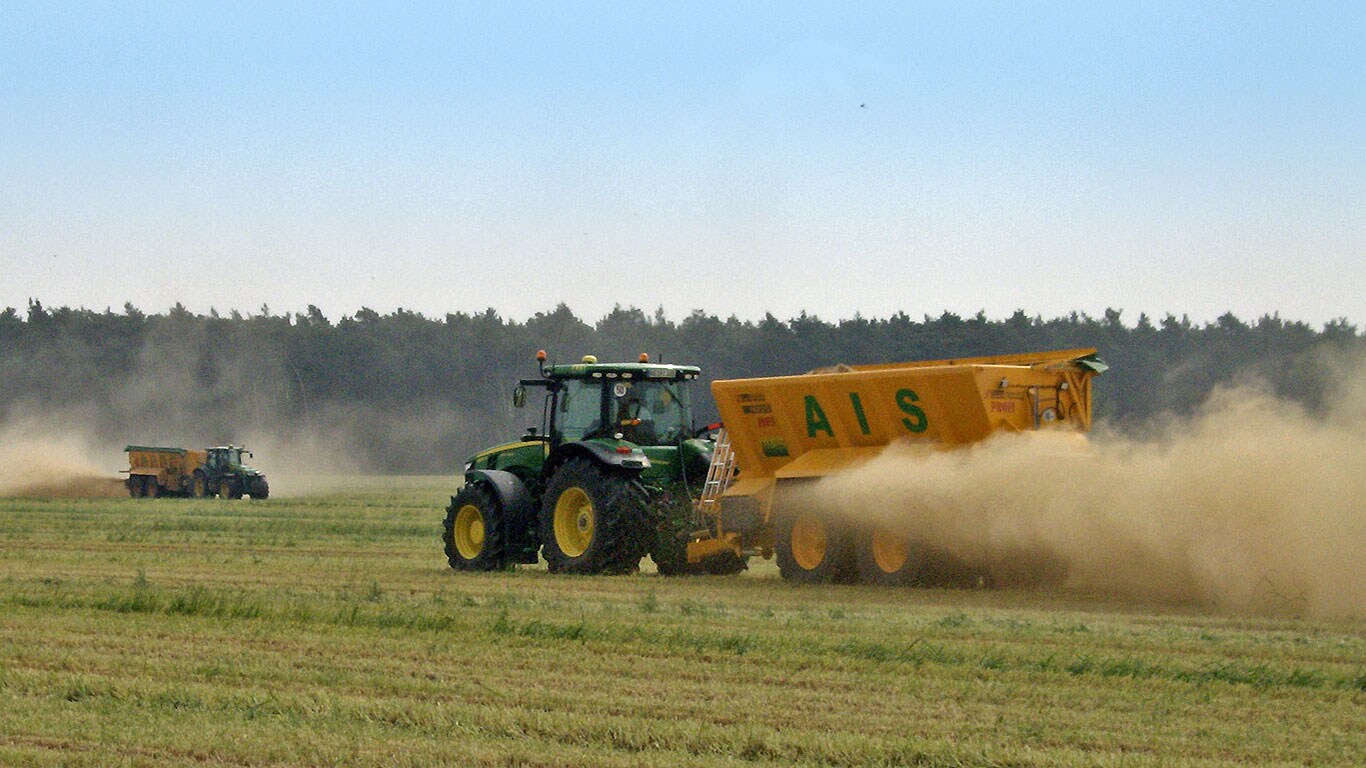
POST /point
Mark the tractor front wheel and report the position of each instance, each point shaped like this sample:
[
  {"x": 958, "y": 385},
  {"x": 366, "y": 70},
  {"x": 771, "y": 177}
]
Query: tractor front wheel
[
  {"x": 593, "y": 520},
  {"x": 473, "y": 530}
]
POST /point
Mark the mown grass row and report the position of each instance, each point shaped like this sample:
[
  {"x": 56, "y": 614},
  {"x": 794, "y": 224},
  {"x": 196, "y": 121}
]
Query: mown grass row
[
  {"x": 433, "y": 614},
  {"x": 354, "y": 645}
]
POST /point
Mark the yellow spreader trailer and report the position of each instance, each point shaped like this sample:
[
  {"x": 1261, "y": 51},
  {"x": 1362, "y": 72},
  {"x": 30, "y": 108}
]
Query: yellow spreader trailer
[{"x": 781, "y": 432}]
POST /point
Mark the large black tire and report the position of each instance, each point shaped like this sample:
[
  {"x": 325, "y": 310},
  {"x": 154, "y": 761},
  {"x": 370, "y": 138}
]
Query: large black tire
[
  {"x": 150, "y": 489},
  {"x": 229, "y": 488},
  {"x": 261, "y": 492},
  {"x": 135, "y": 486},
  {"x": 593, "y": 520},
  {"x": 888, "y": 557},
  {"x": 814, "y": 548},
  {"x": 199, "y": 485},
  {"x": 473, "y": 531}
]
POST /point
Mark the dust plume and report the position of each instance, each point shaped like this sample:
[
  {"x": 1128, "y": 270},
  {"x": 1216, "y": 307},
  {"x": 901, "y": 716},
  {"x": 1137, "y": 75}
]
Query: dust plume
[
  {"x": 52, "y": 460},
  {"x": 1253, "y": 504}
]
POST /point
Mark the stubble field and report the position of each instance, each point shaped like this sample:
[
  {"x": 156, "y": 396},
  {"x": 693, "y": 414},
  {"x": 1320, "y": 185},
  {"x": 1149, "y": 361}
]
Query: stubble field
[{"x": 325, "y": 629}]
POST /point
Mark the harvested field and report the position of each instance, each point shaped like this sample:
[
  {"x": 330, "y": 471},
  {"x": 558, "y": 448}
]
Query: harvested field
[{"x": 325, "y": 629}]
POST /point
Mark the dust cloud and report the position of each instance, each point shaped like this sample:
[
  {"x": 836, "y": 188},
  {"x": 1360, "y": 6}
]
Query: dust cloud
[
  {"x": 59, "y": 456},
  {"x": 1253, "y": 504},
  {"x": 54, "y": 460}
]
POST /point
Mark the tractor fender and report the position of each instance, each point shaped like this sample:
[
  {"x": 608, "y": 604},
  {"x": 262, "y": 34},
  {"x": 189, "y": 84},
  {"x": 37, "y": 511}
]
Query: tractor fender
[
  {"x": 602, "y": 455},
  {"x": 511, "y": 493}
]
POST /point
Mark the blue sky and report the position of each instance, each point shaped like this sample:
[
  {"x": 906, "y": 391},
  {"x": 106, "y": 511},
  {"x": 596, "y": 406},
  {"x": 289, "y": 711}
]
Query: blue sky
[{"x": 732, "y": 157}]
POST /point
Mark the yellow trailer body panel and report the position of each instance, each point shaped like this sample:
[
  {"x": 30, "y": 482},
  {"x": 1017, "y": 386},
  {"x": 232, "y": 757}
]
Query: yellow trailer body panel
[{"x": 822, "y": 422}]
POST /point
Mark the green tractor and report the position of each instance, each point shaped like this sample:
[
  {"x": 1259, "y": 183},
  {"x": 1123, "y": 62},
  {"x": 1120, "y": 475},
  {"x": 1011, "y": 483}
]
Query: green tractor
[
  {"x": 225, "y": 474},
  {"x": 609, "y": 476}
]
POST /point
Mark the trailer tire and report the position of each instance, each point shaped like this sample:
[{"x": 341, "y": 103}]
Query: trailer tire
[
  {"x": 135, "y": 486},
  {"x": 593, "y": 520},
  {"x": 199, "y": 486},
  {"x": 814, "y": 548},
  {"x": 888, "y": 557},
  {"x": 150, "y": 489},
  {"x": 473, "y": 530}
]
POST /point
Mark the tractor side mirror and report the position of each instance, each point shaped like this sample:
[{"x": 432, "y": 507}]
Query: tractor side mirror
[{"x": 519, "y": 396}]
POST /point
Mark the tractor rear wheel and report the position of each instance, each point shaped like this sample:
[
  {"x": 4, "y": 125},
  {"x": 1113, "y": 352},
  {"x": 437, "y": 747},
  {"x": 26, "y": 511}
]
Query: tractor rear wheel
[
  {"x": 229, "y": 489},
  {"x": 593, "y": 520},
  {"x": 199, "y": 486},
  {"x": 887, "y": 556},
  {"x": 473, "y": 530},
  {"x": 813, "y": 548}
]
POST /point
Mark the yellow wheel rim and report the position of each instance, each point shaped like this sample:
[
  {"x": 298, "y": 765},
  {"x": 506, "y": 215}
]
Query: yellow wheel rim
[
  {"x": 890, "y": 551},
  {"x": 808, "y": 541},
  {"x": 574, "y": 520},
  {"x": 469, "y": 531}
]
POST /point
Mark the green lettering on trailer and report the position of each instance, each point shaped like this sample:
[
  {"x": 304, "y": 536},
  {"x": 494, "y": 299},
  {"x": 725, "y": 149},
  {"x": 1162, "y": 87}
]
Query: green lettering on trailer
[
  {"x": 816, "y": 420},
  {"x": 858, "y": 411},
  {"x": 906, "y": 400}
]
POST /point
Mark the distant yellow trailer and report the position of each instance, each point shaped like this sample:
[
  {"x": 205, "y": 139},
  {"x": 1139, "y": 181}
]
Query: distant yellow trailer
[{"x": 782, "y": 430}]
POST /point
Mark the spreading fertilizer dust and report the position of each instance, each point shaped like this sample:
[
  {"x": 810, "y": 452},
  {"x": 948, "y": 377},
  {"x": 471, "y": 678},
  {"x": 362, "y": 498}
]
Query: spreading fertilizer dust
[
  {"x": 57, "y": 458},
  {"x": 1252, "y": 504},
  {"x": 43, "y": 462}
]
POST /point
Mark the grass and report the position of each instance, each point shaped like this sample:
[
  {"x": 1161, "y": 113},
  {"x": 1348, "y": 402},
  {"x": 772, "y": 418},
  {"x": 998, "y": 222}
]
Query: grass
[{"x": 326, "y": 630}]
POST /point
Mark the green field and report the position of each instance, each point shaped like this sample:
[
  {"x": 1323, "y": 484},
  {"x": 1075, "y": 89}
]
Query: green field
[{"x": 326, "y": 629}]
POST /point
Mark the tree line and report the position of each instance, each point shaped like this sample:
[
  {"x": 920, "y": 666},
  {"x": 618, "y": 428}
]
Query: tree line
[{"x": 411, "y": 393}]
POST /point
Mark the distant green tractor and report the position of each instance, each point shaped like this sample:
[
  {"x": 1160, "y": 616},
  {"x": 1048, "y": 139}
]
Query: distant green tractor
[{"x": 608, "y": 477}]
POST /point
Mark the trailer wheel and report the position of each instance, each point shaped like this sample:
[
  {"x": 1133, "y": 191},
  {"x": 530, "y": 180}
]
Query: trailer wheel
[
  {"x": 813, "y": 548},
  {"x": 473, "y": 530},
  {"x": 887, "y": 556},
  {"x": 593, "y": 520},
  {"x": 135, "y": 486},
  {"x": 150, "y": 489},
  {"x": 199, "y": 486}
]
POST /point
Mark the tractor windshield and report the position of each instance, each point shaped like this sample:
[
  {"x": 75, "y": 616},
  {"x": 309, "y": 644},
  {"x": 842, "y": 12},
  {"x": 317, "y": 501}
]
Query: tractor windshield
[
  {"x": 644, "y": 412},
  {"x": 651, "y": 412}
]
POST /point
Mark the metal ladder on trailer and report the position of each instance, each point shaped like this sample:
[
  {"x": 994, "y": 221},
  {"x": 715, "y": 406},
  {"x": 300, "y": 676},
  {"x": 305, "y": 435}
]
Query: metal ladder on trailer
[{"x": 719, "y": 474}]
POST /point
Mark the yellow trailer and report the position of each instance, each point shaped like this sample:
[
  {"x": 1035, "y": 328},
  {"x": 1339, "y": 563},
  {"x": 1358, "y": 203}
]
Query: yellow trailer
[{"x": 784, "y": 430}]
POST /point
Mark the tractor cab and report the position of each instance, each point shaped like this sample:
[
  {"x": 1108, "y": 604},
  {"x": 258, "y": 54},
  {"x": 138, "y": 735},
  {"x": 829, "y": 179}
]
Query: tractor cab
[
  {"x": 222, "y": 457},
  {"x": 644, "y": 404}
]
